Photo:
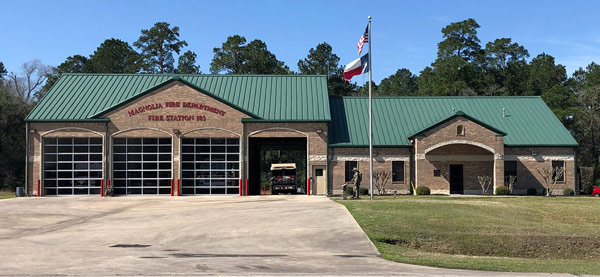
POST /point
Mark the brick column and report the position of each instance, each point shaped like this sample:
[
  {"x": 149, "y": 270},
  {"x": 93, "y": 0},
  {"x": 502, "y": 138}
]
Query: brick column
[{"x": 498, "y": 171}]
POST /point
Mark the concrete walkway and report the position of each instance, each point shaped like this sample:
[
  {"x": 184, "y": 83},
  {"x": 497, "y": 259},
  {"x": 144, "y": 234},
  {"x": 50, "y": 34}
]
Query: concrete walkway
[{"x": 268, "y": 235}]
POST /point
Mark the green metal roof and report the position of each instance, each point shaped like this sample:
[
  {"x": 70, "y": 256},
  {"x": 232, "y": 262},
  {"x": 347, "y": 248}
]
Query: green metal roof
[
  {"x": 529, "y": 122},
  {"x": 83, "y": 97},
  {"x": 461, "y": 114}
]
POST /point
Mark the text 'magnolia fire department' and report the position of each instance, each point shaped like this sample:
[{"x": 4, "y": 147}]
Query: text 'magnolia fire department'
[{"x": 151, "y": 134}]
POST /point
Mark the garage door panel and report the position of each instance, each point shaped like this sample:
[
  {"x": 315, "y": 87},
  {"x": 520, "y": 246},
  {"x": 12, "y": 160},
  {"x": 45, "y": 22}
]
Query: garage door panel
[
  {"x": 72, "y": 166},
  {"x": 210, "y": 166},
  {"x": 142, "y": 165}
]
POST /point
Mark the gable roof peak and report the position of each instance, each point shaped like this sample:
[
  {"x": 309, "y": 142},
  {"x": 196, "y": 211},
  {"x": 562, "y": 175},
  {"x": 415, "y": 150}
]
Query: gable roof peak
[{"x": 270, "y": 97}]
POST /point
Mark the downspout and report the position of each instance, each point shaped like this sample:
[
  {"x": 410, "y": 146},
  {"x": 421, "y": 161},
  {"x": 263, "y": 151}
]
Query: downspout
[
  {"x": 576, "y": 187},
  {"x": 26, "y": 192}
]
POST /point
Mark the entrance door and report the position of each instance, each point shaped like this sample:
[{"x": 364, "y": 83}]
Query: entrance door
[
  {"x": 320, "y": 180},
  {"x": 456, "y": 178}
]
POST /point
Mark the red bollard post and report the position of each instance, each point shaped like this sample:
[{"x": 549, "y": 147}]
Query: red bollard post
[
  {"x": 308, "y": 186},
  {"x": 178, "y": 186},
  {"x": 171, "y": 187},
  {"x": 101, "y": 188},
  {"x": 246, "y": 187},
  {"x": 38, "y": 189},
  {"x": 241, "y": 188},
  {"x": 108, "y": 185}
]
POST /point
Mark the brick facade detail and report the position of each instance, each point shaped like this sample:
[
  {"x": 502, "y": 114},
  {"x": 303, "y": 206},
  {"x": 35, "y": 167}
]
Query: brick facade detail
[{"x": 383, "y": 158}]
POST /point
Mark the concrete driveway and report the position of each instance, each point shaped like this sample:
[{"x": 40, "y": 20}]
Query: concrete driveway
[{"x": 268, "y": 235}]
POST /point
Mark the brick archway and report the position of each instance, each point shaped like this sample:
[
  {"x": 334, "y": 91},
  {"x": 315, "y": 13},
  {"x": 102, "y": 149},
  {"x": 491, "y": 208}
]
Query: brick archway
[
  {"x": 450, "y": 142},
  {"x": 439, "y": 165}
]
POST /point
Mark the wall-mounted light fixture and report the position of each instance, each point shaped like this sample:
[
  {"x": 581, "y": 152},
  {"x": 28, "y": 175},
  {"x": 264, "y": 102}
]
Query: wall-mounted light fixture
[
  {"x": 533, "y": 152},
  {"x": 176, "y": 131},
  {"x": 319, "y": 131},
  {"x": 32, "y": 131}
]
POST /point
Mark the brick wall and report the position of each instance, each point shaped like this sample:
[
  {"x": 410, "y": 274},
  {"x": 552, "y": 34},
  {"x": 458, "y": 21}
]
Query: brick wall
[
  {"x": 527, "y": 165},
  {"x": 382, "y": 161},
  {"x": 479, "y": 150}
]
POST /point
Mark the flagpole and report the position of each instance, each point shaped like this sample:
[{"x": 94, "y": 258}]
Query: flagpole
[{"x": 370, "y": 117}]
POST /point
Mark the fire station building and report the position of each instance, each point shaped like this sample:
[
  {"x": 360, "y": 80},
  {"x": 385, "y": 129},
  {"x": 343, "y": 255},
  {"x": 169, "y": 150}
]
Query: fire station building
[{"x": 149, "y": 134}]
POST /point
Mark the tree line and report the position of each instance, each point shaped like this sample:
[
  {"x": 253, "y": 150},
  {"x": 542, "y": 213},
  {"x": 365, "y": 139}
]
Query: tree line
[{"x": 463, "y": 67}]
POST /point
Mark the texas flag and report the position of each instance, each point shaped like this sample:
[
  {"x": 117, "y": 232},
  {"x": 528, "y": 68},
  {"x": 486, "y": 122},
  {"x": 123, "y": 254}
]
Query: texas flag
[{"x": 357, "y": 67}]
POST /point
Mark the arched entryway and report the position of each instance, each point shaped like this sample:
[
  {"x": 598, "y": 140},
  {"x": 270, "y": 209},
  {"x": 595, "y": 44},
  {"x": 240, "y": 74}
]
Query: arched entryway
[
  {"x": 276, "y": 145},
  {"x": 458, "y": 167}
]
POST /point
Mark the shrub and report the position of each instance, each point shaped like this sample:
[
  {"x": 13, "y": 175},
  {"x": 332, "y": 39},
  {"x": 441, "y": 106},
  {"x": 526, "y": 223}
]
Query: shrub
[
  {"x": 363, "y": 190},
  {"x": 502, "y": 190},
  {"x": 568, "y": 192},
  {"x": 380, "y": 179},
  {"x": 349, "y": 190},
  {"x": 423, "y": 190},
  {"x": 531, "y": 191}
]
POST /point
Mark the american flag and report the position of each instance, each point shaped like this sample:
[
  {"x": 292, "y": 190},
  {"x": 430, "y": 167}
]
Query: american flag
[{"x": 363, "y": 39}]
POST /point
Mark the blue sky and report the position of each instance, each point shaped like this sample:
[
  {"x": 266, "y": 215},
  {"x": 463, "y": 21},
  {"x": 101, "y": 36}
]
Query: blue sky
[{"x": 405, "y": 33}]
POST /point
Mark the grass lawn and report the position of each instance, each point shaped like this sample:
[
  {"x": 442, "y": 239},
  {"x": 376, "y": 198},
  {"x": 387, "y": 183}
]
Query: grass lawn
[
  {"x": 524, "y": 233},
  {"x": 6, "y": 194}
]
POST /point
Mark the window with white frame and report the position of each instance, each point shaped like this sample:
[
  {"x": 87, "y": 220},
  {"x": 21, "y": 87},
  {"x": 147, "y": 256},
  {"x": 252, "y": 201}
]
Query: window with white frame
[
  {"x": 142, "y": 165},
  {"x": 210, "y": 166},
  {"x": 72, "y": 166}
]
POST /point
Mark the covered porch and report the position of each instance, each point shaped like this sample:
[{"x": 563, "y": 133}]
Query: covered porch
[{"x": 460, "y": 167}]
